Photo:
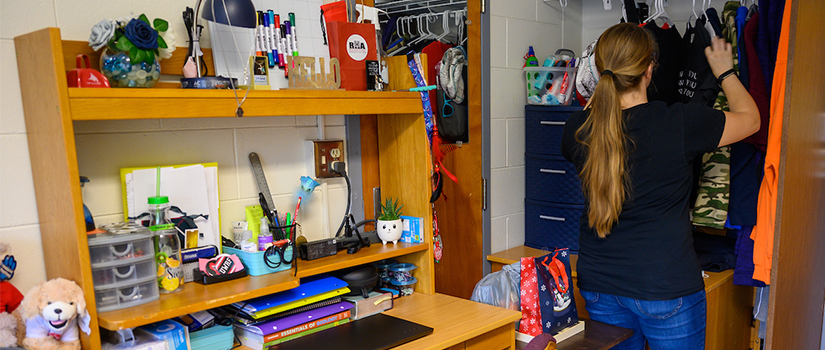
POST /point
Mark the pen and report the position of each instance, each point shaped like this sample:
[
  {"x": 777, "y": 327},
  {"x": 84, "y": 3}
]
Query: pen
[
  {"x": 294, "y": 34},
  {"x": 267, "y": 42},
  {"x": 272, "y": 37}
]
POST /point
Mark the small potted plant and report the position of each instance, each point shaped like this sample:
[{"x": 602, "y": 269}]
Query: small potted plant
[{"x": 389, "y": 224}]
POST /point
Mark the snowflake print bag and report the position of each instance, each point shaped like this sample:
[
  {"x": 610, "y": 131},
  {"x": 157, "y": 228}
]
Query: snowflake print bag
[{"x": 554, "y": 307}]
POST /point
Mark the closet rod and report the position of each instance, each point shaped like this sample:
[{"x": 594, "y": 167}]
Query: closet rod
[{"x": 406, "y": 6}]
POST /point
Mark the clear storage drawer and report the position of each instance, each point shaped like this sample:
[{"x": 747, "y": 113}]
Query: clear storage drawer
[{"x": 127, "y": 295}]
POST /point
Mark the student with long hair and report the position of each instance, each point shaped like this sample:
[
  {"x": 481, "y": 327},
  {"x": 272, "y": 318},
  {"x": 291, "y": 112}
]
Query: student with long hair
[{"x": 637, "y": 267}]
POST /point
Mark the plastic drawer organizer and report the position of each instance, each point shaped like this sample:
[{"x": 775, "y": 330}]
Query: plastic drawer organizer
[
  {"x": 553, "y": 198},
  {"x": 123, "y": 266}
]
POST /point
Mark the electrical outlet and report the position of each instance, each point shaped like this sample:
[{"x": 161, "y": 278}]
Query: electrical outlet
[{"x": 324, "y": 152}]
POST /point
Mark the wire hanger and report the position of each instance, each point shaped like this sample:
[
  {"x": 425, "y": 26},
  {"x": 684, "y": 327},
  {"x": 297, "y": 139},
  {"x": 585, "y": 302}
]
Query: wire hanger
[{"x": 445, "y": 25}]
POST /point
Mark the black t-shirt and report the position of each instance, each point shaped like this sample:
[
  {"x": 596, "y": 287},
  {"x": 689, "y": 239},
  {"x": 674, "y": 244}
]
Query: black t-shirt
[
  {"x": 666, "y": 75},
  {"x": 649, "y": 253}
]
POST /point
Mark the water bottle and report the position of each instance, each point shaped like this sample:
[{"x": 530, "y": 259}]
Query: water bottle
[{"x": 167, "y": 246}]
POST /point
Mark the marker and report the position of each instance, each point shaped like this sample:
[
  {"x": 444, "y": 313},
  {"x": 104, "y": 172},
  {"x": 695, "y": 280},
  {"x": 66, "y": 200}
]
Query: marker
[
  {"x": 288, "y": 41},
  {"x": 278, "y": 41},
  {"x": 285, "y": 44},
  {"x": 294, "y": 34},
  {"x": 259, "y": 46},
  {"x": 267, "y": 43},
  {"x": 272, "y": 35}
]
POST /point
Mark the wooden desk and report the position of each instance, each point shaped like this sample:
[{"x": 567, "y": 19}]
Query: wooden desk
[
  {"x": 596, "y": 336},
  {"x": 728, "y": 306},
  {"x": 457, "y": 323}
]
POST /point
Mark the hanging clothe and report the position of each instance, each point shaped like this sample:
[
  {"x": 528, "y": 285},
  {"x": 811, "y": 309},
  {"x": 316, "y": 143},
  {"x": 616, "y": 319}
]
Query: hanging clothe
[
  {"x": 746, "y": 164},
  {"x": 666, "y": 73},
  {"x": 696, "y": 82},
  {"x": 756, "y": 87},
  {"x": 741, "y": 20},
  {"x": 763, "y": 233},
  {"x": 770, "y": 24},
  {"x": 715, "y": 21},
  {"x": 713, "y": 197}
]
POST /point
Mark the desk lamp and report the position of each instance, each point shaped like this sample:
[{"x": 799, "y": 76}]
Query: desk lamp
[{"x": 235, "y": 13}]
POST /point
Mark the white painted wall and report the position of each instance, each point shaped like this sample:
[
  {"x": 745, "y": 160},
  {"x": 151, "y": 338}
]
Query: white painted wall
[
  {"x": 104, "y": 147},
  {"x": 515, "y": 25}
]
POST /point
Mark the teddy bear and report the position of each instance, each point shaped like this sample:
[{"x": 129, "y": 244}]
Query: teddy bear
[
  {"x": 10, "y": 299},
  {"x": 54, "y": 312}
]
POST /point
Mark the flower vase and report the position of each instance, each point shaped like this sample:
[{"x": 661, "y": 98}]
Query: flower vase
[{"x": 118, "y": 68}]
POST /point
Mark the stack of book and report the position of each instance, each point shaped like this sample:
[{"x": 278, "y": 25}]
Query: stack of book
[{"x": 315, "y": 305}]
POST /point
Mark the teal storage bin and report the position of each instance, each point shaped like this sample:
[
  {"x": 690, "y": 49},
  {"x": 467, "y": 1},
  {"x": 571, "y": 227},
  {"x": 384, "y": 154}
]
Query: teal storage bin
[
  {"x": 213, "y": 338},
  {"x": 254, "y": 262}
]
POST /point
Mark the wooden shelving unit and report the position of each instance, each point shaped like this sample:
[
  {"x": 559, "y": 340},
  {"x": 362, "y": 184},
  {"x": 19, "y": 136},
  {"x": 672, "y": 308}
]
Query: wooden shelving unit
[
  {"x": 196, "y": 297},
  {"x": 51, "y": 108}
]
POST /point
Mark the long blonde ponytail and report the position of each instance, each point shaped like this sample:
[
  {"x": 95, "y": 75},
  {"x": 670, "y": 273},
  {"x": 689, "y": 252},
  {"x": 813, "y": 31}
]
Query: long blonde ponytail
[{"x": 623, "y": 54}]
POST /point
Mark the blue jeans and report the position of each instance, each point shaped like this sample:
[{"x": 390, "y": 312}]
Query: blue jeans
[{"x": 677, "y": 324}]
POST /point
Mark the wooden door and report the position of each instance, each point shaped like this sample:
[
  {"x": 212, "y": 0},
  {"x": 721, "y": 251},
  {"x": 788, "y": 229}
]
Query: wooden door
[
  {"x": 797, "y": 278},
  {"x": 460, "y": 208}
]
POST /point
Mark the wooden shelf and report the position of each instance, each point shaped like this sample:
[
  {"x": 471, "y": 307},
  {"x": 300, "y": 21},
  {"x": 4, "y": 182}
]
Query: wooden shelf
[
  {"x": 196, "y": 297},
  {"x": 50, "y": 107},
  {"x": 99, "y": 104},
  {"x": 342, "y": 260}
]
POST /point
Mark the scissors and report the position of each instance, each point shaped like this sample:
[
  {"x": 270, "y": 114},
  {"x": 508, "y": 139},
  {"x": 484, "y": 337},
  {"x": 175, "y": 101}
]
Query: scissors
[{"x": 270, "y": 214}]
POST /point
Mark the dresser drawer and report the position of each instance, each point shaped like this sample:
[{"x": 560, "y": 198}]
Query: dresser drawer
[
  {"x": 551, "y": 179},
  {"x": 551, "y": 225},
  {"x": 544, "y": 126}
]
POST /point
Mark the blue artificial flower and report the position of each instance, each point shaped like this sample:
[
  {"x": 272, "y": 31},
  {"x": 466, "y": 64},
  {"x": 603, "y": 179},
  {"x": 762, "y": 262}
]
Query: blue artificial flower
[{"x": 141, "y": 34}]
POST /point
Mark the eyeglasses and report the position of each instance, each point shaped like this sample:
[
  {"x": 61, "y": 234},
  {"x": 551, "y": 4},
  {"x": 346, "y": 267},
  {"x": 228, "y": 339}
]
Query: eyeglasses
[{"x": 447, "y": 109}]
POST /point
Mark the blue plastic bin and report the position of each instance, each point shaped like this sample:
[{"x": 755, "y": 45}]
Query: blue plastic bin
[
  {"x": 254, "y": 262},
  {"x": 213, "y": 338}
]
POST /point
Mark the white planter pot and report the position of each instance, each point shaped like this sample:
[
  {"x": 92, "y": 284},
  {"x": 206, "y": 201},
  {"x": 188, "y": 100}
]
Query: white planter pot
[{"x": 389, "y": 231}]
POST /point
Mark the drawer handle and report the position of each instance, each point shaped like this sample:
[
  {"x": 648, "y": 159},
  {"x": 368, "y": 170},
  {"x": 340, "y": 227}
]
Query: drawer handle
[
  {"x": 125, "y": 275},
  {"x": 552, "y": 171},
  {"x": 125, "y": 252},
  {"x": 553, "y": 218},
  {"x": 130, "y": 295},
  {"x": 547, "y": 122}
]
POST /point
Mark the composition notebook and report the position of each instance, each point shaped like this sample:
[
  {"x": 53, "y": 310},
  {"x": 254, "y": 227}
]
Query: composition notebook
[{"x": 377, "y": 332}]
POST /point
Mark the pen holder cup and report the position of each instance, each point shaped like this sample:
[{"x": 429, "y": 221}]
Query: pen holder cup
[{"x": 550, "y": 86}]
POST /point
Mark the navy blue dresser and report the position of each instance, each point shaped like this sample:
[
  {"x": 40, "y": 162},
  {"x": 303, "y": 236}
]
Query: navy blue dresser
[{"x": 553, "y": 199}]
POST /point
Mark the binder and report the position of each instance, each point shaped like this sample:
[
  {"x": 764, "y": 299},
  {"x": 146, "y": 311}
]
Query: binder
[{"x": 312, "y": 289}]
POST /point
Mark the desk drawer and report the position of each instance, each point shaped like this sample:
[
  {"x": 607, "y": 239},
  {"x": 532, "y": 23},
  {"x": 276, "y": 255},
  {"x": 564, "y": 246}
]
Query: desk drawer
[
  {"x": 543, "y": 128},
  {"x": 551, "y": 179},
  {"x": 551, "y": 225}
]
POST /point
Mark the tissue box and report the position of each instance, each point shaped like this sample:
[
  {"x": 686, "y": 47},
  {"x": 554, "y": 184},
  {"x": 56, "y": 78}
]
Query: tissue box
[
  {"x": 413, "y": 230},
  {"x": 172, "y": 332}
]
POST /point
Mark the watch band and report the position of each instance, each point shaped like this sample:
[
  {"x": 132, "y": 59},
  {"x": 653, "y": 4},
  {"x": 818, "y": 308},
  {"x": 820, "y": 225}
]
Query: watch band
[{"x": 724, "y": 75}]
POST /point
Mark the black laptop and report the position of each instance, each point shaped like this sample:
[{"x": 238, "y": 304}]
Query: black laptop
[{"x": 377, "y": 332}]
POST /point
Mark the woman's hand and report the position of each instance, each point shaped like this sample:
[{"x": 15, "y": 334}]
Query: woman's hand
[{"x": 720, "y": 56}]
